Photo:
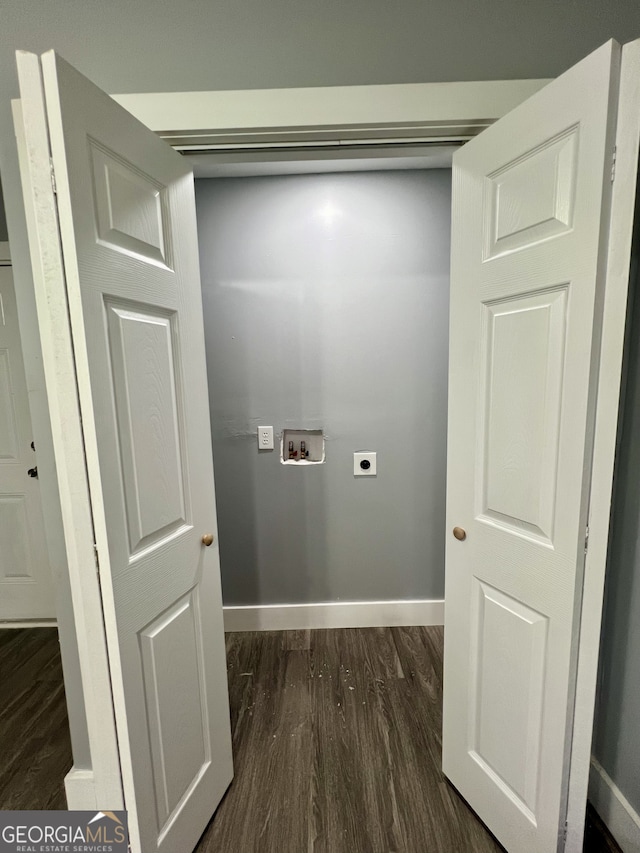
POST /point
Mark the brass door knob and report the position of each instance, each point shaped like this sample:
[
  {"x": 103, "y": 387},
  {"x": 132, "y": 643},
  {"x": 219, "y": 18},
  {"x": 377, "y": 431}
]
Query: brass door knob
[
  {"x": 460, "y": 533},
  {"x": 207, "y": 539}
]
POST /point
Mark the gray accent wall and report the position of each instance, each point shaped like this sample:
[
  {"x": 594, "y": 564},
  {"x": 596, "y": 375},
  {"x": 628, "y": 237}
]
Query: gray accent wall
[
  {"x": 617, "y": 729},
  {"x": 161, "y": 45},
  {"x": 326, "y": 306}
]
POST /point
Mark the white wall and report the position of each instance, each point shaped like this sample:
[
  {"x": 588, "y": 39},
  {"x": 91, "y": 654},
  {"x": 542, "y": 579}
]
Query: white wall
[{"x": 326, "y": 301}]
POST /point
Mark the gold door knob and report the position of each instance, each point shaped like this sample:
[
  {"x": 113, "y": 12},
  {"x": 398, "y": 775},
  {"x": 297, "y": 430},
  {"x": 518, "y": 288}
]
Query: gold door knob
[
  {"x": 207, "y": 539},
  {"x": 460, "y": 533}
]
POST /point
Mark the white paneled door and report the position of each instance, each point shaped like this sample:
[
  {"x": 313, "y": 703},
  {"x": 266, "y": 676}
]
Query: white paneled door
[
  {"x": 126, "y": 218},
  {"x": 529, "y": 249},
  {"x": 26, "y": 588}
]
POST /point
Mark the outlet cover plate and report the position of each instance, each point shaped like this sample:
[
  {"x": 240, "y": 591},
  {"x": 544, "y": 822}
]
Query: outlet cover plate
[
  {"x": 364, "y": 456},
  {"x": 265, "y": 438}
]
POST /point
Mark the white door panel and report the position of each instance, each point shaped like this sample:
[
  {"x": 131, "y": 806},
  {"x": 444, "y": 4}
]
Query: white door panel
[
  {"x": 530, "y": 220},
  {"x": 128, "y": 229},
  {"x": 26, "y": 586}
]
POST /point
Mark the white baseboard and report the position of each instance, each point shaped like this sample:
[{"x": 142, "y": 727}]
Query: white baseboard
[
  {"x": 333, "y": 614},
  {"x": 622, "y": 821},
  {"x": 80, "y": 788},
  {"x": 29, "y": 623}
]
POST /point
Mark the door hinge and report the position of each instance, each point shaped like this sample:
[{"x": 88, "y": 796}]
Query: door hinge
[
  {"x": 53, "y": 177},
  {"x": 613, "y": 163},
  {"x": 565, "y": 832},
  {"x": 586, "y": 540},
  {"x": 95, "y": 551}
]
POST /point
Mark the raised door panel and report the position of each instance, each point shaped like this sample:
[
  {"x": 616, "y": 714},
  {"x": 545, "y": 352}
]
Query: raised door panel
[
  {"x": 8, "y": 431},
  {"x": 151, "y": 440},
  {"x": 507, "y": 672},
  {"x": 172, "y": 657},
  {"x": 16, "y": 562},
  {"x": 523, "y": 345},
  {"x": 131, "y": 208},
  {"x": 531, "y": 199}
]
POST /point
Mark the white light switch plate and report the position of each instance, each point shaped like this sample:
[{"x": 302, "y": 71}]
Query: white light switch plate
[
  {"x": 364, "y": 456},
  {"x": 265, "y": 438}
]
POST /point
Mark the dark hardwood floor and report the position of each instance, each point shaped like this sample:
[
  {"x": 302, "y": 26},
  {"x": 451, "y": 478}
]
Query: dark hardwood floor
[
  {"x": 35, "y": 750},
  {"x": 337, "y": 747},
  {"x": 336, "y": 743},
  {"x": 597, "y": 838}
]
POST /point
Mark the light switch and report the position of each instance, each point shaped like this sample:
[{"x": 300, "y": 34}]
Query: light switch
[{"x": 265, "y": 438}]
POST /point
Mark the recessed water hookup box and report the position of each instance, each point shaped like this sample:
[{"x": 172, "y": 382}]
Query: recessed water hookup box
[{"x": 302, "y": 447}]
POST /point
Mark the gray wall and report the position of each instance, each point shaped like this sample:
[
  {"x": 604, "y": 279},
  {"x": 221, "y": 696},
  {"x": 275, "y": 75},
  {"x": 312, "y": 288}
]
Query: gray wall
[
  {"x": 326, "y": 305},
  {"x": 617, "y": 730},
  {"x": 163, "y": 45}
]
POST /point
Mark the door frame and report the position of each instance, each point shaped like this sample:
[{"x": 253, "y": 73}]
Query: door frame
[
  {"x": 614, "y": 321},
  {"x": 336, "y": 116},
  {"x": 446, "y": 112},
  {"x": 277, "y": 118},
  {"x": 248, "y": 120}
]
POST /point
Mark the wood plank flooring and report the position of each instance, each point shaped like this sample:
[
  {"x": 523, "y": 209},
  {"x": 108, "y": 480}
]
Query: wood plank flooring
[
  {"x": 597, "y": 838},
  {"x": 337, "y": 747},
  {"x": 35, "y": 750},
  {"x": 336, "y": 743}
]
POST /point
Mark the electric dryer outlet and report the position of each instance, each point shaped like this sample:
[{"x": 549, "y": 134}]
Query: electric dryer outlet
[{"x": 364, "y": 464}]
